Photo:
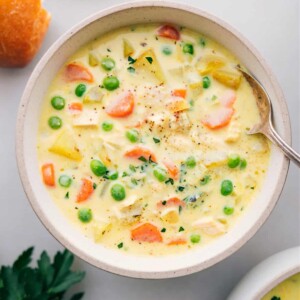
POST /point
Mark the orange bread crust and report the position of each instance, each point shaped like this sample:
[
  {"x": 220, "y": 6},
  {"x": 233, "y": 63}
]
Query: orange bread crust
[{"x": 23, "y": 25}]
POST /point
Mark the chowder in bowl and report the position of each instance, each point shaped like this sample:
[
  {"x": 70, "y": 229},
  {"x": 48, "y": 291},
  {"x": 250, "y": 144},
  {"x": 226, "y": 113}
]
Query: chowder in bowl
[{"x": 132, "y": 142}]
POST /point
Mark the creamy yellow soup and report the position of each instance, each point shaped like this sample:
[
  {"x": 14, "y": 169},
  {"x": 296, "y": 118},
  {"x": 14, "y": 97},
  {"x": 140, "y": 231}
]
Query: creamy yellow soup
[
  {"x": 143, "y": 143},
  {"x": 289, "y": 289}
]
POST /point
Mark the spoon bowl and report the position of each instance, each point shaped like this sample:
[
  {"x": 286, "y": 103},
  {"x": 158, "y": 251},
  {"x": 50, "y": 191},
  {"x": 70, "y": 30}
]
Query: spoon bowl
[{"x": 265, "y": 125}]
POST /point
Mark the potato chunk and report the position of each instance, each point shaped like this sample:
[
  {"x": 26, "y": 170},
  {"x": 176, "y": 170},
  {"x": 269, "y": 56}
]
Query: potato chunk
[
  {"x": 65, "y": 145},
  {"x": 229, "y": 78},
  {"x": 148, "y": 62}
]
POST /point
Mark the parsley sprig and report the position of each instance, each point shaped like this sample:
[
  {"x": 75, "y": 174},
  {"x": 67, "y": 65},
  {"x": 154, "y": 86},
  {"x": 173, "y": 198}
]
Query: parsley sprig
[{"x": 48, "y": 281}]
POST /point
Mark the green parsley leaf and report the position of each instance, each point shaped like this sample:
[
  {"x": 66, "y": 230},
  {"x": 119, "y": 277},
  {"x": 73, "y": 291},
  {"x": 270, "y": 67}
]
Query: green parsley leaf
[
  {"x": 77, "y": 296},
  {"x": 142, "y": 158},
  {"x": 67, "y": 195},
  {"x": 164, "y": 202},
  {"x": 214, "y": 97},
  {"x": 23, "y": 260},
  {"x": 170, "y": 180},
  {"x": 163, "y": 230},
  {"x": 202, "y": 42},
  {"x": 94, "y": 185},
  {"x": 156, "y": 141},
  {"x": 150, "y": 59},
  {"x": 120, "y": 245},
  {"x": 179, "y": 208},
  {"x": 131, "y": 60},
  {"x": 181, "y": 229},
  {"x": 132, "y": 168},
  {"x": 180, "y": 188},
  {"x": 124, "y": 174}
]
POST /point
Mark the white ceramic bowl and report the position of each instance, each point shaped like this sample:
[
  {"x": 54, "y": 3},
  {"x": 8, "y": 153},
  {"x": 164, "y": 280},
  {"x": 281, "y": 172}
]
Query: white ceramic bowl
[
  {"x": 267, "y": 274},
  {"x": 27, "y": 124}
]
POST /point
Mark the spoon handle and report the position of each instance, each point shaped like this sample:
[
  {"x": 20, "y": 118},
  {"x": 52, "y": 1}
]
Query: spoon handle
[{"x": 277, "y": 140}]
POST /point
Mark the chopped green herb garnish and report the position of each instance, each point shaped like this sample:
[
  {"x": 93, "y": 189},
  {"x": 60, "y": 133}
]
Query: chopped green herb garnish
[
  {"x": 120, "y": 245},
  {"x": 275, "y": 298},
  {"x": 134, "y": 181},
  {"x": 181, "y": 188},
  {"x": 131, "y": 70},
  {"x": 163, "y": 230},
  {"x": 192, "y": 102},
  {"x": 94, "y": 185},
  {"x": 170, "y": 180},
  {"x": 164, "y": 203},
  {"x": 214, "y": 97},
  {"x": 132, "y": 168},
  {"x": 131, "y": 60},
  {"x": 124, "y": 174},
  {"x": 181, "y": 229},
  {"x": 179, "y": 208},
  {"x": 156, "y": 141},
  {"x": 142, "y": 158},
  {"x": 150, "y": 59},
  {"x": 67, "y": 195},
  {"x": 202, "y": 42}
]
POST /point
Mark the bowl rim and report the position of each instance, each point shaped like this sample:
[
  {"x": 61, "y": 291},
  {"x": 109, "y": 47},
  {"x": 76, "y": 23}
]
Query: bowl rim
[
  {"x": 282, "y": 265},
  {"x": 21, "y": 116}
]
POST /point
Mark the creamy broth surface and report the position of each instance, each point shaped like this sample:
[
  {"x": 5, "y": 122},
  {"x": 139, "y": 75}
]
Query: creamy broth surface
[
  {"x": 289, "y": 289},
  {"x": 147, "y": 151}
]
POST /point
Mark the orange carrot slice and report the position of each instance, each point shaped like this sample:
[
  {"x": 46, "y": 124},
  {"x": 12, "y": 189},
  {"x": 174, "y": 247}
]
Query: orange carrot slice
[
  {"x": 146, "y": 232},
  {"x": 76, "y": 106},
  {"x": 172, "y": 169},
  {"x": 228, "y": 98},
  {"x": 76, "y": 72},
  {"x": 122, "y": 106},
  {"x": 169, "y": 32},
  {"x": 174, "y": 201},
  {"x": 219, "y": 119},
  {"x": 179, "y": 93},
  {"x": 140, "y": 151},
  {"x": 86, "y": 190},
  {"x": 48, "y": 174},
  {"x": 177, "y": 242}
]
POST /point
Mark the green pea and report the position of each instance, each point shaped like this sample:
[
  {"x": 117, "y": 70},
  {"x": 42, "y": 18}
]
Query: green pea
[
  {"x": 65, "y": 180},
  {"x": 167, "y": 50},
  {"x": 108, "y": 63},
  {"x": 85, "y": 215},
  {"x": 98, "y": 168},
  {"x": 80, "y": 89},
  {"x": 55, "y": 122},
  {"x": 188, "y": 48},
  {"x": 58, "y": 102},
  {"x": 113, "y": 175},
  {"x": 243, "y": 164},
  {"x": 233, "y": 161},
  {"x": 111, "y": 83},
  {"x": 132, "y": 135},
  {"x": 107, "y": 126},
  {"x": 195, "y": 238},
  {"x": 190, "y": 162},
  {"x": 228, "y": 210},
  {"x": 160, "y": 174},
  {"x": 118, "y": 192},
  {"x": 226, "y": 187},
  {"x": 206, "y": 82}
]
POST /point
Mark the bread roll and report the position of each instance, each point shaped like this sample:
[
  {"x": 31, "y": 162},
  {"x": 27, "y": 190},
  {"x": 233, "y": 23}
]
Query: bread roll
[{"x": 23, "y": 25}]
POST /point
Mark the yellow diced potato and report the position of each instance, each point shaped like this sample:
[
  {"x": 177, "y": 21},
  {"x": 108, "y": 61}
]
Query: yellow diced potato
[
  {"x": 170, "y": 215},
  {"x": 93, "y": 60},
  {"x": 65, "y": 145},
  {"x": 177, "y": 104},
  {"x": 152, "y": 66},
  {"x": 127, "y": 48},
  {"x": 209, "y": 63},
  {"x": 100, "y": 229},
  {"x": 229, "y": 78},
  {"x": 195, "y": 89},
  {"x": 94, "y": 95}
]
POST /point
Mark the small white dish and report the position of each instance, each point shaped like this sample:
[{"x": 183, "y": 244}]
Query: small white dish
[
  {"x": 267, "y": 274},
  {"x": 27, "y": 125}
]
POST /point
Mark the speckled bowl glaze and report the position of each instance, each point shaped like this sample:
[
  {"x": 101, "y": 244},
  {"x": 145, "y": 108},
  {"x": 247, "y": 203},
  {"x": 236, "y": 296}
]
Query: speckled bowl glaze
[
  {"x": 27, "y": 125},
  {"x": 267, "y": 274}
]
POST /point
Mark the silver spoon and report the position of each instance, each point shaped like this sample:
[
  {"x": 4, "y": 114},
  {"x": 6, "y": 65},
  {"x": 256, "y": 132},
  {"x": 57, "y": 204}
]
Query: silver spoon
[{"x": 265, "y": 126}]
